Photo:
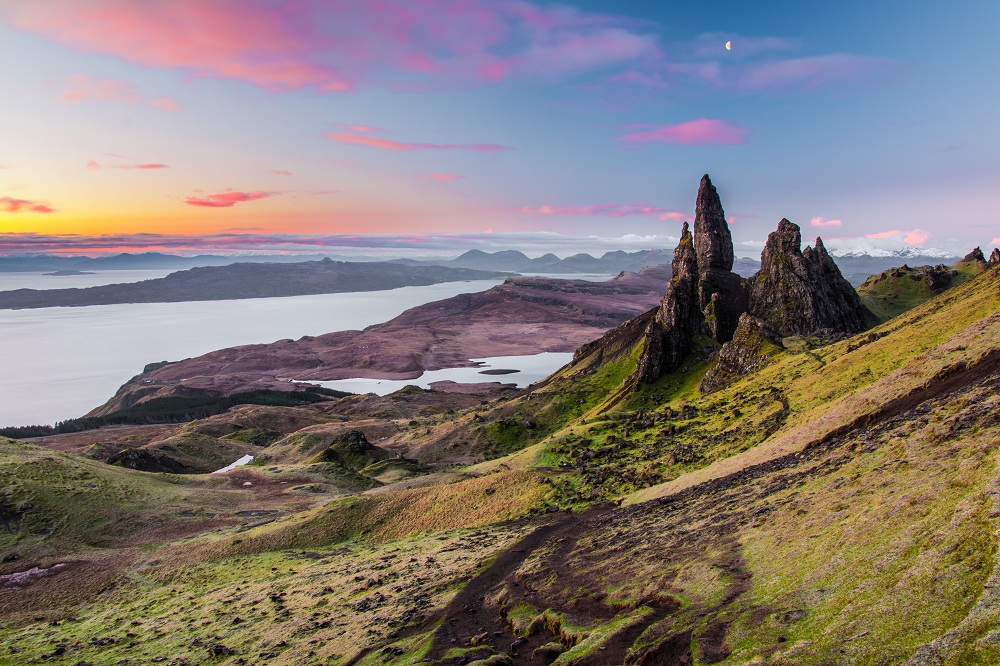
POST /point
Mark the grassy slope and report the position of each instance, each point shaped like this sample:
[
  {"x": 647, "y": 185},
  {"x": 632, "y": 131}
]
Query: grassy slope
[
  {"x": 894, "y": 291},
  {"x": 874, "y": 545}
]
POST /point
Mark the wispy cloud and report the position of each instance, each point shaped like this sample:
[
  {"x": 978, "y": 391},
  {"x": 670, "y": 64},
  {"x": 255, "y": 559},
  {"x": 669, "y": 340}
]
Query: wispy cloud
[
  {"x": 358, "y": 129},
  {"x": 822, "y": 222},
  {"x": 280, "y": 172},
  {"x": 995, "y": 241},
  {"x": 641, "y": 209},
  {"x": 11, "y": 205},
  {"x": 226, "y": 199},
  {"x": 83, "y": 88},
  {"x": 809, "y": 73},
  {"x": 166, "y": 103},
  {"x": 94, "y": 164},
  {"x": 387, "y": 144},
  {"x": 700, "y": 132},
  {"x": 441, "y": 177},
  {"x": 338, "y": 46}
]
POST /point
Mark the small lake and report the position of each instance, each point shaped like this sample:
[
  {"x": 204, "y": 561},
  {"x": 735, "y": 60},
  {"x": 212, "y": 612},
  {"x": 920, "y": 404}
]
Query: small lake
[{"x": 530, "y": 369}]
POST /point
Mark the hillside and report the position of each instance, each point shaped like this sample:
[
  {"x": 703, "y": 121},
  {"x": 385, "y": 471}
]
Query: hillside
[
  {"x": 782, "y": 492},
  {"x": 244, "y": 280}
]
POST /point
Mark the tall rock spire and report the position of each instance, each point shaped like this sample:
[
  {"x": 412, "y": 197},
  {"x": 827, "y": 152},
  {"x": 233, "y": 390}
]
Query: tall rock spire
[
  {"x": 712, "y": 241},
  {"x": 703, "y": 297}
]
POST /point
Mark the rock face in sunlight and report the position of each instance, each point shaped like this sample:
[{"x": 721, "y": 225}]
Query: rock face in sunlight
[{"x": 795, "y": 292}]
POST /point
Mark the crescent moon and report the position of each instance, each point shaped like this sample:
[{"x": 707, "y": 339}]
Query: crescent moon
[{"x": 729, "y": 45}]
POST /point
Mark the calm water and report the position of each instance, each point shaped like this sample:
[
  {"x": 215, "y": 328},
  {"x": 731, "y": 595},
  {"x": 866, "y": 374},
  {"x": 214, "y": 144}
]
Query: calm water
[
  {"x": 11, "y": 281},
  {"x": 59, "y": 363},
  {"x": 530, "y": 369}
]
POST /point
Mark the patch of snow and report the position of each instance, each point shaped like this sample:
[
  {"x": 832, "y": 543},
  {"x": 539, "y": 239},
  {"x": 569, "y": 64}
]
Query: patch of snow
[{"x": 236, "y": 463}]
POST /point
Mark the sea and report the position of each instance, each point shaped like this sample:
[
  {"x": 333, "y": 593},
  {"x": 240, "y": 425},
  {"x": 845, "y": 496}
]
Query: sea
[{"x": 60, "y": 363}]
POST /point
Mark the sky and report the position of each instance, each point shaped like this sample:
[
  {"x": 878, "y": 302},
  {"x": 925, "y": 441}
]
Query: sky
[{"x": 430, "y": 127}]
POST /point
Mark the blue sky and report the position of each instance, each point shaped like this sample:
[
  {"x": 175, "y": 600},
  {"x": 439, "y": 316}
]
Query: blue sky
[{"x": 436, "y": 126}]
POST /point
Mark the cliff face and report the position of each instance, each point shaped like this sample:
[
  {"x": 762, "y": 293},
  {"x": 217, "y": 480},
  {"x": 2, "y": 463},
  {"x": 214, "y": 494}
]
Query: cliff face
[
  {"x": 803, "y": 293},
  {"x": 795, "y": 292}
]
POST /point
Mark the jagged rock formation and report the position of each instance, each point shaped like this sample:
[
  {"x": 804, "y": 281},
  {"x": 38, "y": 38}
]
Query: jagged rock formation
[
  {"x": 703, "y": 297},
  {"x": 795, "y": 292},
  {"x": 977, "y": 256},
  {"x": 994, "y": 257},
  {"x": 803, "y": 293}
]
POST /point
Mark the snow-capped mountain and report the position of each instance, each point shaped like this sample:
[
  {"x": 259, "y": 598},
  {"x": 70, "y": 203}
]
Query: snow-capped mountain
[{"x": 900, "y": 253}]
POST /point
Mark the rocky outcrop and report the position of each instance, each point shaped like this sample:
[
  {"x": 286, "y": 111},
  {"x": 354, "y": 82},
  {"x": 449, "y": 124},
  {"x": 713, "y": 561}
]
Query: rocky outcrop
[
  {"x": 803, "y": 292},
  {"x": 749, "y": 351},
  {"x": 353, "y": 451},
  {"x": 976, "y": 256},
  {"x": 994, "y": 257},
  {"x": 703, "y": 297},
  {"x": 796, "y": 292}
]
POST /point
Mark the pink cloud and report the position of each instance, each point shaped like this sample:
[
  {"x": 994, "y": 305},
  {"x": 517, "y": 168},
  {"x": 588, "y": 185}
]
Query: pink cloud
[
  {"x": 336, "y": 46},
  {"x": 83, "y": 87},
  {"x": 808, "y": 73},
  {"x": 226, "y": 199},
  {"x": 10, "y": 205},
  {"x": 387, "y": 144},
  {"x": 995, "y": 241},
  {"x": 700, "y": 132},
  {"x": 823, "y": 222},
  {"x": 916, "y": 237},
  {"x": 94, "y": 164},
  {"x": 166, "y": 103},
  {"x": 442, "y": 177},
  {"x": 280, "y": 172},
  {"x": 912, "y": 237},
  {"x": 358, "y": 129},
  {"x": 641, "y": 209}
]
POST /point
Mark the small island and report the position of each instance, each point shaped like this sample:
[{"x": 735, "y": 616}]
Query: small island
[{"x": 64, "y": 273}]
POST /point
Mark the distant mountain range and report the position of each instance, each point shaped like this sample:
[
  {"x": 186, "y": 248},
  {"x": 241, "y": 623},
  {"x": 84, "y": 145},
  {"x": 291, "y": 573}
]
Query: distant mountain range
[
  {"x": 243, "y": 280},
  {"x": 609, "y": 263},
  {"x": 856, "y": 265},
  {"x": 29, "y": 263}
]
